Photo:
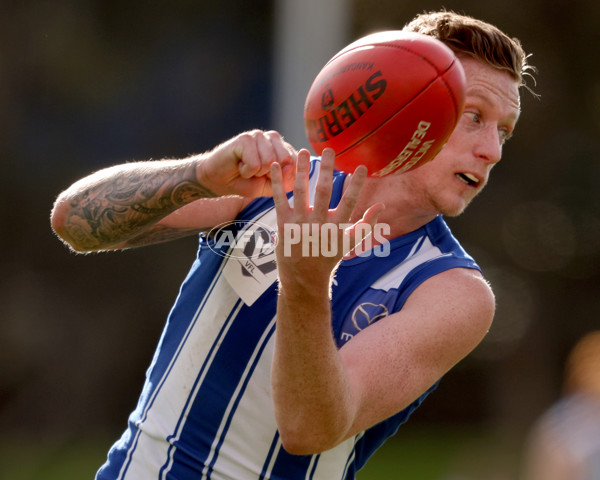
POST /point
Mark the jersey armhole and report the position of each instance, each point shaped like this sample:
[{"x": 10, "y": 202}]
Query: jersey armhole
[{"x": 429, "y": 269}]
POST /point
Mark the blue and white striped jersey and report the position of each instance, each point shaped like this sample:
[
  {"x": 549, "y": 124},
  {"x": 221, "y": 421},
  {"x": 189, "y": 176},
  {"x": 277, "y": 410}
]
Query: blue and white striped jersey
[{"x": 206, "y": 409}]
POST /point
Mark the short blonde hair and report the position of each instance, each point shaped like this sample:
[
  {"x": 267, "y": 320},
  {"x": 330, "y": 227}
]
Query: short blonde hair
[{"x": 475, "y": 38}]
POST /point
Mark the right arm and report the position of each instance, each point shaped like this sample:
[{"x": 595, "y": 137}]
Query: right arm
[{"x": 154, "y": 201}]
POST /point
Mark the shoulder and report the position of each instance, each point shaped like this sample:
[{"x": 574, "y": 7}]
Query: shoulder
[
  {"x": 461, "y": 282},
  {"x": 449, "y": 314},
  {"x": 459, "y": 286},
  {"x": 459, "y": 301},
  {"x": 441, "y": 322}
]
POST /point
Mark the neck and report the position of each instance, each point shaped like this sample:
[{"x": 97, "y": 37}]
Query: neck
[{"x": 405, "y": 210}]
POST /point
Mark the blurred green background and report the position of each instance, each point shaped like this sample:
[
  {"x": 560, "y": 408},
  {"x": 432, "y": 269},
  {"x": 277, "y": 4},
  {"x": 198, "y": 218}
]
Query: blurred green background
[{"x": 86, "y": 84}]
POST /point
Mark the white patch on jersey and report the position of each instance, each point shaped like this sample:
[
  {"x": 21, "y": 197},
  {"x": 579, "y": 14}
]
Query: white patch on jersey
[
  {"x": 246, "y": 274},
  {"x": 422, "y": 251}
]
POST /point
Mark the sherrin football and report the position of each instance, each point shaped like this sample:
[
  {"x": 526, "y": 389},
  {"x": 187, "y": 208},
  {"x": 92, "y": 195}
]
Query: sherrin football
[{"x": 389, "y": 101}]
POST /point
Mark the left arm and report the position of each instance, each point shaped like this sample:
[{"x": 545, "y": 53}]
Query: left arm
[{"x": 322, "y": 394}]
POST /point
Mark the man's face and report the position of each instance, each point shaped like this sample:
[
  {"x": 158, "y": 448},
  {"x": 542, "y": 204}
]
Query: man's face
[{"x": 461, "y": 170}]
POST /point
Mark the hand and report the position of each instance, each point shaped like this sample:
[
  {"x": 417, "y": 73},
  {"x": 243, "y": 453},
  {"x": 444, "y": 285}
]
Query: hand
[
  {"x": 241, "y": 166},
  {"x": 304, "y": 262},
  {"x": 313, "y": 395}
]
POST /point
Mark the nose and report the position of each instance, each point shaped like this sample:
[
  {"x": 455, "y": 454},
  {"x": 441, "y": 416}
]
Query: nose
[{"x": 489, "y": 145}]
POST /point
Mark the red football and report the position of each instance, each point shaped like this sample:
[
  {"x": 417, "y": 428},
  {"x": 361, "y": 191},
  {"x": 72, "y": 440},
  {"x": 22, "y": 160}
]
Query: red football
[{"x": 389, "y": 101}]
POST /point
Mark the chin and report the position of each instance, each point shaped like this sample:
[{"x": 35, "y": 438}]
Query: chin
[
  {"x": 453, "y": 212},
  {"x": 450, "y": 208}
]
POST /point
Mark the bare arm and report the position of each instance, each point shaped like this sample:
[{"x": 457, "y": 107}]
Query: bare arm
[
  {"x": 114, "y": 206},
  {"x": 323, "y": 395},
  {"x": 140, "y": 203}
]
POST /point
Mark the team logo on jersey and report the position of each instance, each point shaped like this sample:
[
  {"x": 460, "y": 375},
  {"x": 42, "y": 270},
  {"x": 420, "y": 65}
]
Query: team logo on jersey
[
  {"x": 242, "y": 240},
  {"x": 367, "y": 313}
]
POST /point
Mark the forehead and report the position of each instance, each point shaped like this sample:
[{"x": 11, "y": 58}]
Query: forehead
[{"x": 492, "y": 86}]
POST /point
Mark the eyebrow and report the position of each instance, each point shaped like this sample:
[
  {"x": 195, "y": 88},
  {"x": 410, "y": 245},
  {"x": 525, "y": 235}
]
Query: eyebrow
[{"x": 486, "y": 99}]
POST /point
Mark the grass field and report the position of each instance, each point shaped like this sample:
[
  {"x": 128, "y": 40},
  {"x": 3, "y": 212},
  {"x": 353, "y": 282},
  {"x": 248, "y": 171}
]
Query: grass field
[
  {"x": 444, "y": 454},
  {"x": 30, "y": 459},
  {"x": 414, "y": 454}
]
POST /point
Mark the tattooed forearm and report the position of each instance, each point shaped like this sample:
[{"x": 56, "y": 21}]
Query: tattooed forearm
[
  {"x": 159, "y": 234},
  {"x": 116, "y": 208}
]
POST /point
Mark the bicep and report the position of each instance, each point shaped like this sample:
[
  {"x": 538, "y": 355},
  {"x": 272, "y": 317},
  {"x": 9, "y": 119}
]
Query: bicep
[{"x": 394, "y": 361}]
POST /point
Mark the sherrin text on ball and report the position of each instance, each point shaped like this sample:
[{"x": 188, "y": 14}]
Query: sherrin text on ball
[{"x": 389, "y": 101}]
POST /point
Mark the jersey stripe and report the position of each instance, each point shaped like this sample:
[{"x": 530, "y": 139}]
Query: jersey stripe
[
  {"x": 237, "y": 396},
  {"x": 167, "y": 371},
  {"x": 203, "y": 371},
  {"x": 271, "y": 456}
]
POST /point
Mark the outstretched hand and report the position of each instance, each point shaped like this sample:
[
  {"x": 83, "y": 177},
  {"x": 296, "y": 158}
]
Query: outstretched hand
[{"x": 313, "y": 239}]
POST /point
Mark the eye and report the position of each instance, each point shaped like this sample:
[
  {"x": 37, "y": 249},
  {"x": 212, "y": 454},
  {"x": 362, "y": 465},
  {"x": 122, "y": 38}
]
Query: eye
[
  {"x": 504, "y": 135},
  {"x": 472, "y": 118}
]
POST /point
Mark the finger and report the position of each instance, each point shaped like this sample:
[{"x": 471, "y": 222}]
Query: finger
[
  {"x": 283, "y": 152},
  {"x": 256, "y": 150},
  {"x": 301, "y": 196},
  {"x": 248, "y": 151},
  {"x": 271, "y": 148},
  {"x": 371, "y": 215},
  {"x": 266, "y": 152},
  {"x": 351, "y": 194},
  {"x": 282, "y": 206},
  {"x": 324, "y": 184},
  {"x": 289, "y": 175},
  {"x": 286, "y": 155},
  {"x": 359, "y": 231}
]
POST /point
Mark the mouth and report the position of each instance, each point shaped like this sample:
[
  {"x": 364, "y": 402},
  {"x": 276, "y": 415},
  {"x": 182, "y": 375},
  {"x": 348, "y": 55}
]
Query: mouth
[{"x": 468, "y": 179}]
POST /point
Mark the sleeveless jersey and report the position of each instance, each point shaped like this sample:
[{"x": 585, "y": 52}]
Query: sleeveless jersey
[{"x": 206, "y": 409}]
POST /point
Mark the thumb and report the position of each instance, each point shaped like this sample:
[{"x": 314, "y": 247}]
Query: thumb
[{"x": 363, "y": 228}]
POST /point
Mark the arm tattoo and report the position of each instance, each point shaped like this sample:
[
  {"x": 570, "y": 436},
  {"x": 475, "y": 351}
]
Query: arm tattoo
[
  {"x": 159, "y": 234},
  {"x": 113, "y": 211}
]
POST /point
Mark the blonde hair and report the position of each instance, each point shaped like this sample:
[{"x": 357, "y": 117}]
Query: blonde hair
[{"x": 475, "y": 38}]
